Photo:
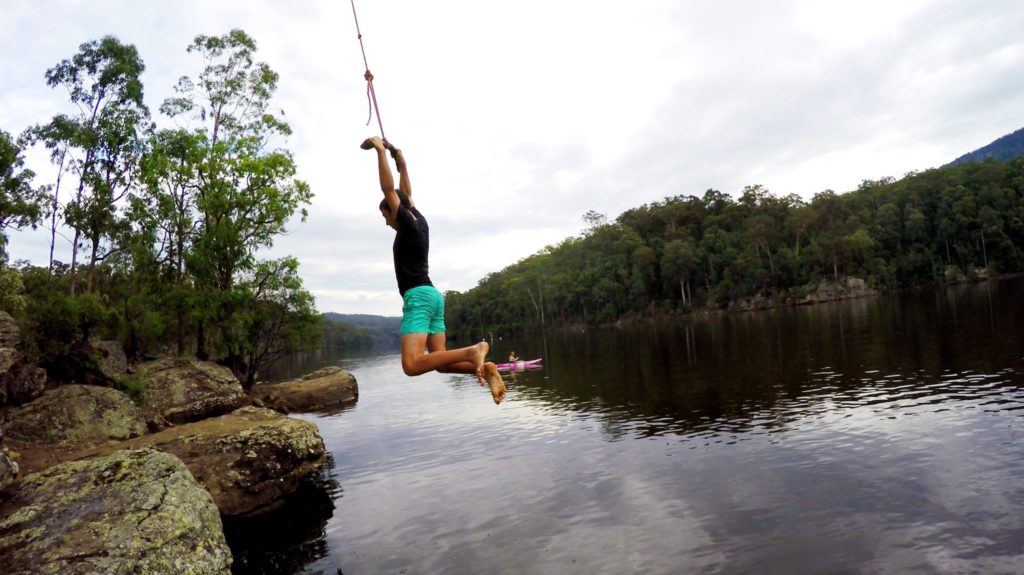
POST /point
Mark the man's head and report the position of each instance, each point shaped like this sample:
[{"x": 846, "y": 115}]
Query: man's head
[{"x": 385, "y": 210}]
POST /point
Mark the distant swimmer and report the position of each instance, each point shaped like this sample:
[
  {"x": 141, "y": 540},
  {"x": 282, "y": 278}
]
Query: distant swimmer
[{"x": 423, "y": 305}]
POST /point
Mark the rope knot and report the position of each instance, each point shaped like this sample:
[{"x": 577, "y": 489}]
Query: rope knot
[{"x": 368, "y": 76}]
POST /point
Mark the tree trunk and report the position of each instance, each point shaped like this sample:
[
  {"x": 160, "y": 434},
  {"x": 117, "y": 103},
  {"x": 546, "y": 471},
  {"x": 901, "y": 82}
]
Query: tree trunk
[
  {"x": 984, "y": 251},
  {"x": 540, "y": 293},
  {"x": 53, "y": 211},
  {"x": 74, "y": 261},
  {"x": 92, "y": 264},
  {"x": 201, "y": 351}
]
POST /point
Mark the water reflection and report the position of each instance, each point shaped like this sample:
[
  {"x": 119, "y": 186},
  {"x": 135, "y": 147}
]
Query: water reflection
[
  {"x": 287, "y": 539},
  {"x": 876, "y": 435},
  {"x": 750, "y": 371}
]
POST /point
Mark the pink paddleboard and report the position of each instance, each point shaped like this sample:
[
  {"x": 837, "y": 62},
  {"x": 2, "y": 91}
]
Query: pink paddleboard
[{"x": 531, "y": 363}]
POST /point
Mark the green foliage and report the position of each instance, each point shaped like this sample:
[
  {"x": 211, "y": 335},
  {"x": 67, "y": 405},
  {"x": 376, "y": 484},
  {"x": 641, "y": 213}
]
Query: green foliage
[
  {"x": 712, "y": 251},
  {"x": 171, "y": 220},
  {"x": 99, "y": 144},
  {"x": 12, "y": 299},
  {"x": 134, "y": 387},
  {"x": 60, "y": 327},
  {"x": 279, "y": 319},
  {"x": 21, "y": 205}
]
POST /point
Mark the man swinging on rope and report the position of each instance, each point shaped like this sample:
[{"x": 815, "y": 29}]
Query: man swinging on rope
[{"x": 423, "y": 306}]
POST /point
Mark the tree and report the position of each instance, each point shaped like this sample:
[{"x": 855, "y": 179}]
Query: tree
[
  {"x": 280, "y": 319},
  {"x": 245, "y": 190},
  {"x": 21, "y": 205},
  {"x": 103, "y": 81},
  {"x": 678, "y": 262}
]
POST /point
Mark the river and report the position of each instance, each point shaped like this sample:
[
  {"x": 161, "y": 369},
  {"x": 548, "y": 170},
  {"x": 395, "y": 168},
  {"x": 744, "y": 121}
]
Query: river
[{"x": 878, "y": 435}]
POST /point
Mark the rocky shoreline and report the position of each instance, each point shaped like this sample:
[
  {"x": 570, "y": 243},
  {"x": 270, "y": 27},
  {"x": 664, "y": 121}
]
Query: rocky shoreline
[{"x": 94, "y": 482}]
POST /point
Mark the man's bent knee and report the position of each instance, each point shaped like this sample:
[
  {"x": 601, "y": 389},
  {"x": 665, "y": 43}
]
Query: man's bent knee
[{"x": 410, "y": 368}]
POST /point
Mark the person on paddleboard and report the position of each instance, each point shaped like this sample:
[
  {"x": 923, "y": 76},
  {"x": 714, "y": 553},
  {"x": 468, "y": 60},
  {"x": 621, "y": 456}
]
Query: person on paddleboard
[
  {"x": 422, "y": 327},
  {"x": 512, "y": 358}
]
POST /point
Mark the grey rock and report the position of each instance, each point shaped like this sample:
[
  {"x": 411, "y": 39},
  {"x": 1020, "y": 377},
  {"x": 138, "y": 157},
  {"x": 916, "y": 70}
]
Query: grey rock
[
  {"x": 10, "y": 335},
  {"x": 76, "y": 413},
  {"x": 113, "y": 363},
  {"x": 24, "y": 383},
  {"x": 184, "y": 390},
  {"x": 323, "y": 389},
  {"x": 247, "y": 459},
  {"x": 137, "y": 511}
]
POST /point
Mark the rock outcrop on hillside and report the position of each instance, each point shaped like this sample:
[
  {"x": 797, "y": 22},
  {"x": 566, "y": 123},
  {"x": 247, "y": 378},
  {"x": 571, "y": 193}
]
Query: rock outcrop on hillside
[{"x": 137, "y": 511}]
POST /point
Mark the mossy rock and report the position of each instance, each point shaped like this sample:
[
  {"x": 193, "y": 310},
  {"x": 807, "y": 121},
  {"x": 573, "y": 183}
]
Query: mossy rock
[
  {"x": 76, "y": 413},
  {"x": 133, "y": 511},
  {"x": 184, "y": 390}
]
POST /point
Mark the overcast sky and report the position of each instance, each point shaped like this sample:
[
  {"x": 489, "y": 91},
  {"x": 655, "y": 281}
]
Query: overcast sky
[{"x": 518, "y": 117}]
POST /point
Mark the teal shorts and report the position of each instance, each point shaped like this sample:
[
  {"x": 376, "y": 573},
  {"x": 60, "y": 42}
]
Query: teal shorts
[{"x": 422, "y": 311}]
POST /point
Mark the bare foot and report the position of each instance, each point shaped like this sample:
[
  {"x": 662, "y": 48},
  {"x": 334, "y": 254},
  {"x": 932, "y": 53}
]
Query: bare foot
[
  {"x": 371, "y": 143},
  {"x": 494, "y": 380},
  {"x": 479, "y": 357}
]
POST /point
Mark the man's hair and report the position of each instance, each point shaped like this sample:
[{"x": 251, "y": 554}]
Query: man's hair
[{"x": 402, "y": 199}]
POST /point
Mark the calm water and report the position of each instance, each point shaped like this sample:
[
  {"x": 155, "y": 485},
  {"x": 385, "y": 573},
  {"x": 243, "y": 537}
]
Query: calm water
[{"x": 882, "y": 435}]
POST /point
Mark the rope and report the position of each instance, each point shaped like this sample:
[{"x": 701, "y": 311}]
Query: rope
[{"x": 371, "y": 95}]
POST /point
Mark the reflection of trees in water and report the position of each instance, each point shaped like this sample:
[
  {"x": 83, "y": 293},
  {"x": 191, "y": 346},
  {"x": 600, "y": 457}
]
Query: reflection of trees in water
[
  {"x": 287, "y": 539},
  {"x": 723, "y": 377},
  {"x": 299, "y": 364}
]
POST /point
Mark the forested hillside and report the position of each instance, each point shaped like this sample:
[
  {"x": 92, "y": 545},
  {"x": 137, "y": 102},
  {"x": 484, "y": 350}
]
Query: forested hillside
[
  {"x": 689, "y": 252},
  {"x": 360, "y": 331},
  {"x": 1005, "y": 148}
]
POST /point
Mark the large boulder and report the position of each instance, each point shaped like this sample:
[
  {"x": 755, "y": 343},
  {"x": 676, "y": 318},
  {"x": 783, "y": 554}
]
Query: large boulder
[
  {"x": 247, "y": 459},
  {"x": 136, "y": 511},
  {"x": 10, "y": 336},
  {"x": 185, "y": 390},
  {"x": 77, "y": 414},
  {"x": 323, "y": 389},
  {"x": 20, "y": 382},
  {"x": 113, "y": 363},
  {"x": 23, "y": 383}
]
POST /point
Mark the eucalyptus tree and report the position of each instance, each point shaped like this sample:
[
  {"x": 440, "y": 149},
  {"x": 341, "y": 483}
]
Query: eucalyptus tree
[
  {"x": 100, "y": 142},
  {"x": 245, "y": 189}
]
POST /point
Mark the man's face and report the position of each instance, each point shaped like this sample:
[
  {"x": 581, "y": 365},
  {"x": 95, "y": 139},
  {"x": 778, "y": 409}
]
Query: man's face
[{"x": 388, "y": 219}]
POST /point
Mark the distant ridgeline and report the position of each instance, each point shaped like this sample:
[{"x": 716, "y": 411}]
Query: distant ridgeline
[
  {"x": 713, "y": 251},
  {"x": 1006, "y": 148},
  {"x": 360, "y": 331}
]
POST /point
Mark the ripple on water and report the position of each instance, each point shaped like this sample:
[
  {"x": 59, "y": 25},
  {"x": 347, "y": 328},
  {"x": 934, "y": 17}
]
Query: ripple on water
[{"x": 841, "y": 459}]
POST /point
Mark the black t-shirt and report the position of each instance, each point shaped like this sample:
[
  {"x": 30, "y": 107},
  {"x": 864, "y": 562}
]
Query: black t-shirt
[{"x": 412, "y": 243}]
